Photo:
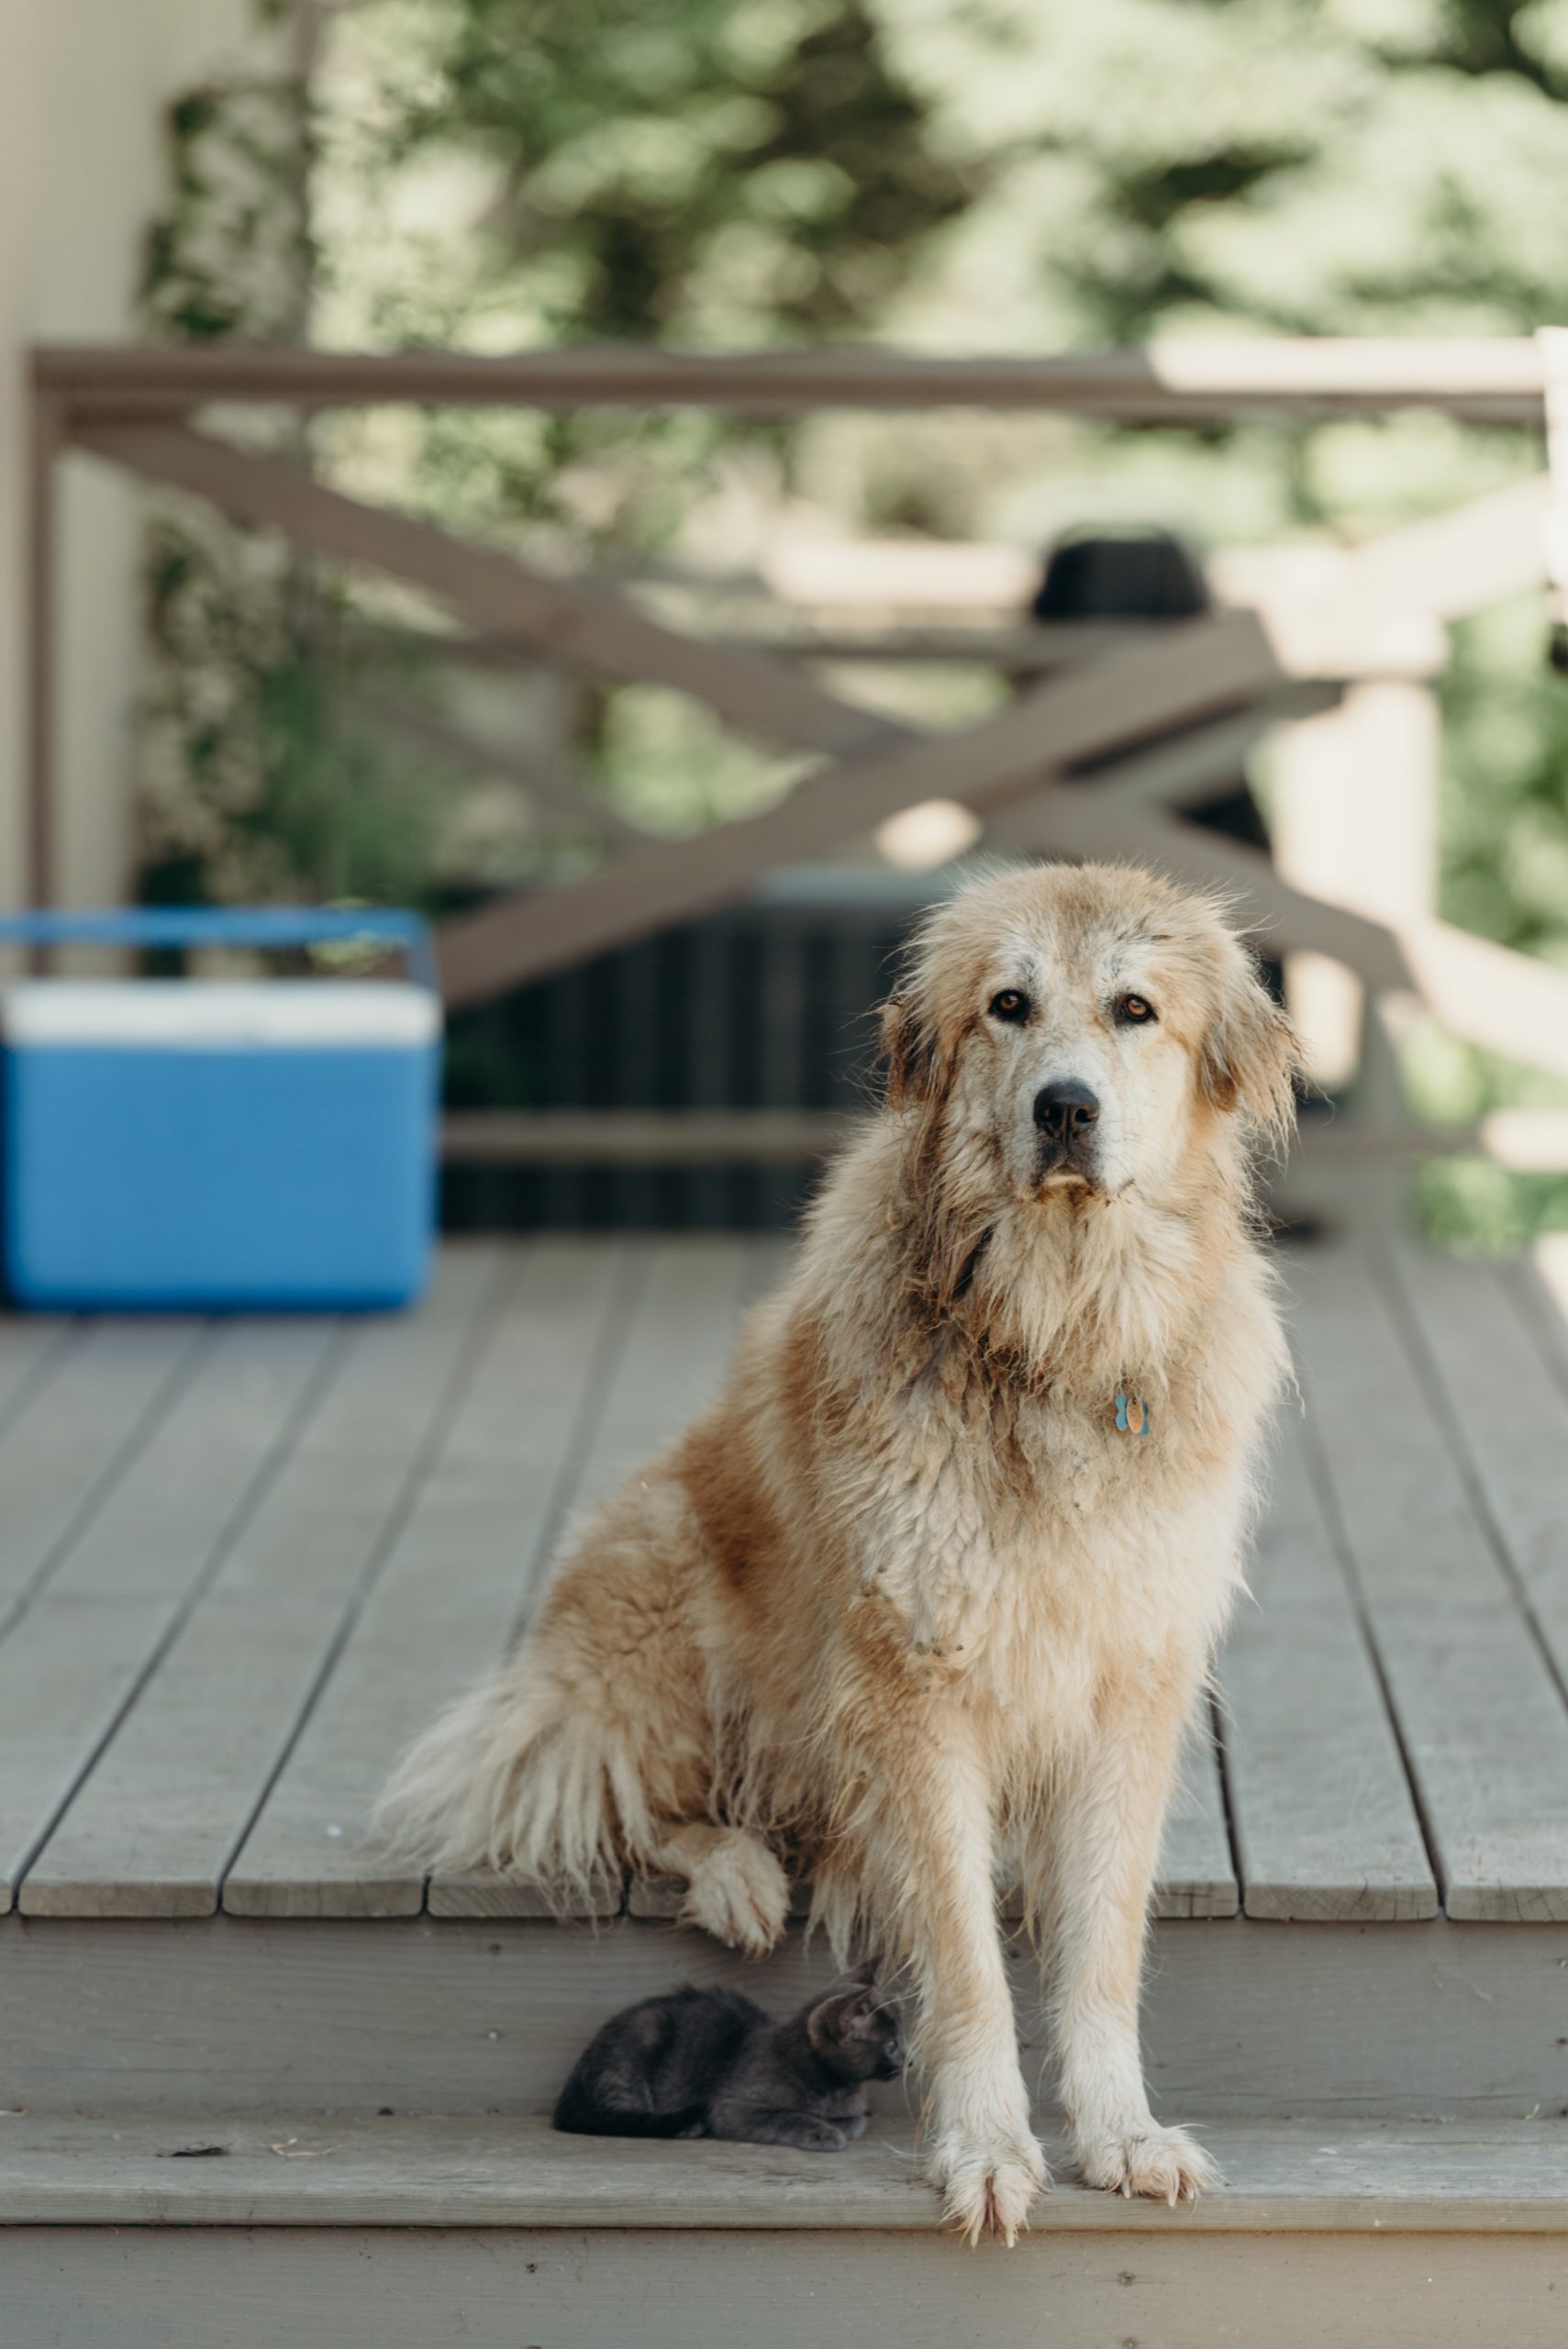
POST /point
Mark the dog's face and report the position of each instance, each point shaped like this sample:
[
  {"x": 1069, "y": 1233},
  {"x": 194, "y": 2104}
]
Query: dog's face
[{"x": 1079, "y": 1024}]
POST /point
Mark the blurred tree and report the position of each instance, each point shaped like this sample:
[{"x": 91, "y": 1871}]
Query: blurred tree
[
  {"x": 725, "y": 173},
  {"x": 956, "y": 175},
  {"x": 678, "y": 171}
]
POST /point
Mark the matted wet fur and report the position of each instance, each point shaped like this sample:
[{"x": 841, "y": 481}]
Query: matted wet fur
[{"x": 908, "y": 1602}]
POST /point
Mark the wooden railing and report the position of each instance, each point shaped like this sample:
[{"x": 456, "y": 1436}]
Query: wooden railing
[{"x": 1155, "y": 714}]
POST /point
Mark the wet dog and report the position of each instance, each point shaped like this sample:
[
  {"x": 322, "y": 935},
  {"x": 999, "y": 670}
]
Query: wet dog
[{"x": 935, "y": 1586}]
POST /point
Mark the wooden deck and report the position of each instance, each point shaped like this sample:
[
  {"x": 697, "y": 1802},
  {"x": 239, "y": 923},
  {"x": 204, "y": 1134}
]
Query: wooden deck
[{"x": 243, "y": 1561}]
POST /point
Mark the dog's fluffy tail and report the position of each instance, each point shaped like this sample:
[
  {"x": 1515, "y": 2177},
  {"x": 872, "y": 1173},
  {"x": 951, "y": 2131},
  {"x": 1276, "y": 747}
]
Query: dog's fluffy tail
[{"x": 517, "y": 1778}]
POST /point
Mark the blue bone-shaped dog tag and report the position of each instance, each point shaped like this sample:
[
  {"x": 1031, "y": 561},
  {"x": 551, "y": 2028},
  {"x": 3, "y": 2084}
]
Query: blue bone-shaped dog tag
[{"x": 1132, "y": 1415}]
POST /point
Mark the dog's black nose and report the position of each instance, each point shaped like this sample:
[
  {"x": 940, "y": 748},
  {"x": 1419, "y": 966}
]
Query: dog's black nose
[{"x": 1065, "y": 1109}]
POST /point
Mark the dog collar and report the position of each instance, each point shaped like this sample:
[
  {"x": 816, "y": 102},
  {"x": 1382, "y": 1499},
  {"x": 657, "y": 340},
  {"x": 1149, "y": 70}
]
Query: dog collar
[{"x": 1131, "y": 1415}]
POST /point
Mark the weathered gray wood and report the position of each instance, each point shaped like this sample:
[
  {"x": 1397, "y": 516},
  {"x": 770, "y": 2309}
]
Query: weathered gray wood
[
  {"x": 1197, "y": 1875},
  {"x": 583, "y": 627},
  {"x": 1481, "y": 1722},
  {"x": 286, "y": 2169},
  {"x": 1511, "y": 1419},
  {"x": 80, "y": 1431},
  {"x": 32, "y": 1349},
  {"x": 1322, "y": 1811},
  {"x": 1181, "y": 771},
  {"x": 158, "y": 1820},
  {"x": 640, "y": 1137},
  {"x": 74, "y": 1662},
  {"x": 1188, "y": 672},
  {"x": 685, "y": 1298},
  {"x": 444, "y": 1604},
  {"x": 404, "y": 2288},
  {"x": 677, "y": 1352},
  {"x": 1241, "y": 2019},
  {"x": 1492, "y": 378},
  {"x": 1485, "y": 993}
]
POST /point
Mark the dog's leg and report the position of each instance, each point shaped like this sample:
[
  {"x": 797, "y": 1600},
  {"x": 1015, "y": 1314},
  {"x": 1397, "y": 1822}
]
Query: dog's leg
[
  {"x": 1107, "y": 1825},
  {"x": 929, "y": 1855},
  {"x": 735, "y": 1888}
]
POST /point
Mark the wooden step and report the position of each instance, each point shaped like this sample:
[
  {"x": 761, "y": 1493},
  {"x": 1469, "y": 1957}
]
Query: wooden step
[
  {"x": 280, "y": 2228},
  {"x": 1243, "y": 2020},
  {"x": 308, "y": 2170}
]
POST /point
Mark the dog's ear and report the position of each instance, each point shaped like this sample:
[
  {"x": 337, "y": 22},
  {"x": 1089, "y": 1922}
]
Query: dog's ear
[
  {"x": 1250, "y": 1056},
  {"x": 909, "y": 1049}
]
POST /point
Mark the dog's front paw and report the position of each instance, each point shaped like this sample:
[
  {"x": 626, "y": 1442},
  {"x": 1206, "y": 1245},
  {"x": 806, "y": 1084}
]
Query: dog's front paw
[
  {"x": 738, "y": 1892},
  {"x": 1162, "y": 2162},
  {"x": 987, "y": 2178}
]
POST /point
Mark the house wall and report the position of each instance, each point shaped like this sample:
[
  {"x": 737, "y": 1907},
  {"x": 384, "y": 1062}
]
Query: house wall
[{"x": 83, "y": 87}]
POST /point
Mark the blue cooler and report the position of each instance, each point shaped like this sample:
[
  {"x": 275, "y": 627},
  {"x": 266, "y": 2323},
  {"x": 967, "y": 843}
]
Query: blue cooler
[{"x": 212, "y": 1145}]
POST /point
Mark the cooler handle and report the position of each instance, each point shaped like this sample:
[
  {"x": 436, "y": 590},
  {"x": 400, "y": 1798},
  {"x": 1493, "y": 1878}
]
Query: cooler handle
[{"x": 266, "y": 926}]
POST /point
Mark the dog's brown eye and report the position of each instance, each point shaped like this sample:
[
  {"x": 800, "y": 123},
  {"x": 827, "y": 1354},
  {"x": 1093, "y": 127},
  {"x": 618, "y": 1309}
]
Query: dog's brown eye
[
  {"x": 1011, "y": 1005},
  {"x": 1136, "y": 1009}
]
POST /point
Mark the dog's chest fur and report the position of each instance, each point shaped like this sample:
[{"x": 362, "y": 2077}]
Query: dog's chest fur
[{"x": 1021, "y": 1544}]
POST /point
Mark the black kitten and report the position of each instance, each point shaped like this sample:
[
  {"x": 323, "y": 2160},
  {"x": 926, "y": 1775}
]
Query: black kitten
[{"x": 709, "y": 2064}]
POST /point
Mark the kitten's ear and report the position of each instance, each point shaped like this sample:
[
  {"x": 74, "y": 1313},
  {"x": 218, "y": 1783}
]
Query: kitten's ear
[
  {"x": 832, "y": 2020},
  {"x": 871, "y": 2017}
]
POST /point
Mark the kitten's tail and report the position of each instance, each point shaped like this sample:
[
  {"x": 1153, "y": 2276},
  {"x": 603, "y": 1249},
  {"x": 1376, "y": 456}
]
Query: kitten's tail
[{"x": 519, "y": 1779}]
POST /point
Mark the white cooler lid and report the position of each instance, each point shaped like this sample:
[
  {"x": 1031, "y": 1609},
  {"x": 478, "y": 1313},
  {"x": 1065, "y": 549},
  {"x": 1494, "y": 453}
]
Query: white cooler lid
[{"x": 197, "y": 1012}]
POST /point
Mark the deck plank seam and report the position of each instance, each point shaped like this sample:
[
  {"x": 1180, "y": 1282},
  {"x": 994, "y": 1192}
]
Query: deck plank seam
[
  {"x": 268, "y": 1469},
  {"x": 1429, "y": 1372},
  {"x": 627, "y": 1288},
  {"x": 1217, "y": 1723},
  {"x": 1344, "y": 1552},
  {"x": 135, "y": 1441},
  {"x": 634, "y": 1275},
  {"x": 469, "y": 1353}
]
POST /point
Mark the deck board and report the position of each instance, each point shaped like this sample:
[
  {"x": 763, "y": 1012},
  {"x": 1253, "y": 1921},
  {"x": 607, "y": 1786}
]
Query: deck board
[
  {"x": 1322, "y": 1807},
  {"x": 83, "y": 1428},
  {"x": 74, "y": 1661},
  {"x": 305, "y": 2170},
  {"x": 1481, "y": 1718},
  {"x": 1511, "y": 1417},
  {"x": 1198, "y": 1872},
  {"x": 243, "y": 1563},
  {"x": 444, "y": 1605},
  {"x": 156, "y": 1824},
  {"x": 32, "y": 1350},
  {"x": 684, "y": 1303}
]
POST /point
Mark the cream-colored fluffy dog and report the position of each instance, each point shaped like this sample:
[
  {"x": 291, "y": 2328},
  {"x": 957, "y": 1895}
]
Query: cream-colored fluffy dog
[{"x": 932, "y": 1590}]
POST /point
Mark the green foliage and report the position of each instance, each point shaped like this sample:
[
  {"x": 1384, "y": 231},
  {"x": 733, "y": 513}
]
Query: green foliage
[
  {"x": 255, "y": 783},
  {"x": 748, "y": 172},
  {"x": 231, "y": 255},
  {"x": 960, "y": 175},
  {"x": 726, "y": 173}
]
